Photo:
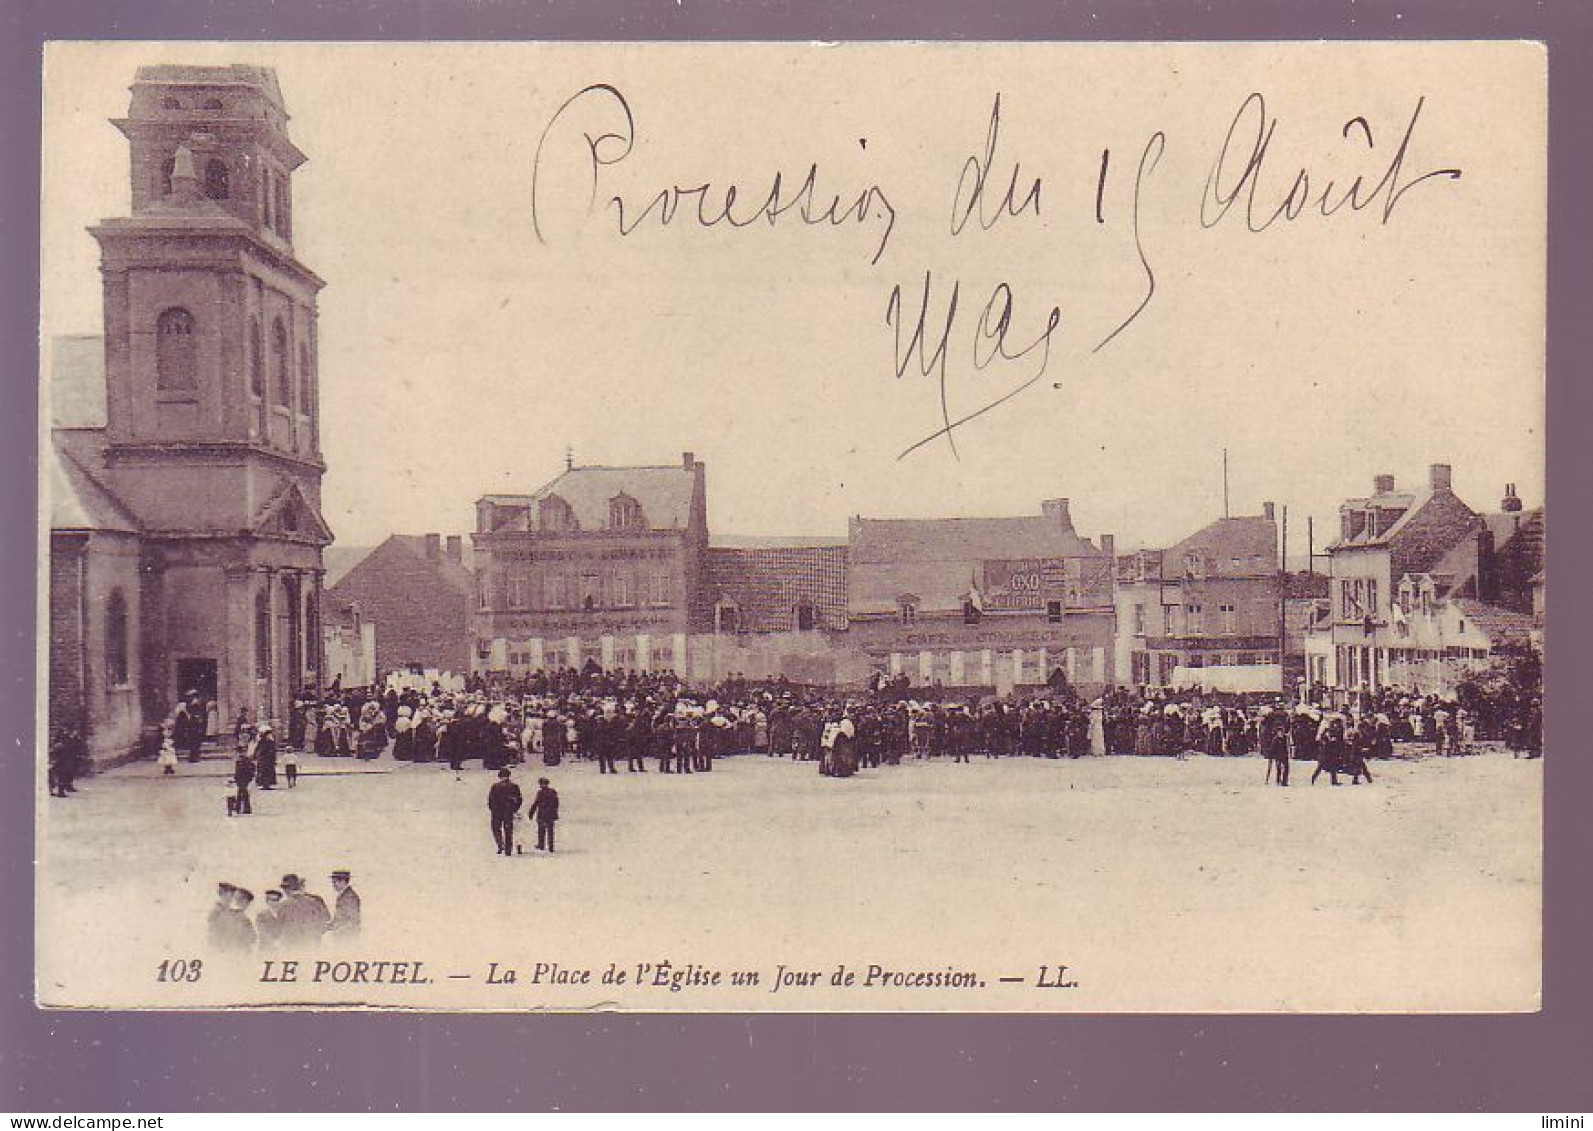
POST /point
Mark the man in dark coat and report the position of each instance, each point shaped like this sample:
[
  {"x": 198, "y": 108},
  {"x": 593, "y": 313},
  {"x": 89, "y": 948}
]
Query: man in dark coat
[
  {"x": 345, "y": 925},
  {"x": 503, "y": 802},
  {"x": 189, "y": 732},
  {"x": 1275, "y": 745},
  {"x": 638, "y": 741},
  {"x": 243, "y": 778},
  {"x": 606, "y": 736},
  {"x": 304, "y": 915},
  {"x": 545, "y": 808}
]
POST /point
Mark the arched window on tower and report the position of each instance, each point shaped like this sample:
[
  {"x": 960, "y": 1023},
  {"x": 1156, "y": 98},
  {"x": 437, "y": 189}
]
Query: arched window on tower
[
  {"x": 216, "y": 179},
  {"x": 176, "y": 352},
  {"x": 116, "y": 640},
  {"x": 166, "y": 168},
  {"x": 212, "y": 104},
  {"x": 282, "y": 378}
]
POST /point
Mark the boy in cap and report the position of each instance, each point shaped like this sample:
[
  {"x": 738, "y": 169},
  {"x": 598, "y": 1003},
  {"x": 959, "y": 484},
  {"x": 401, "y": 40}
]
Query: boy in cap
[
  {"x": 242, "y": 777},
  {"x": 268, "y": 922},
  {"x": 545, "y": 808}
]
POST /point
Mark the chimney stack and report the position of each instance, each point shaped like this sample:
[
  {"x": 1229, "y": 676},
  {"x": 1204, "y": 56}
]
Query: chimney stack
[
  {"x": 1383, "y": 484},
  {"x": 1511, "y": 503},
  {"x": 1109, "y": 545},
  {"x": 456, "y": 549},
  {"x": 1269, "y": 512},
  {"x": 688, "y": 460},
  {"x": 1440, "y": 476},
  {"x": 1058, "y": 511},
  {"x": 433, "y": 547}
]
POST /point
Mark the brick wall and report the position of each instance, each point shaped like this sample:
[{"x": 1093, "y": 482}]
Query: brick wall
[{"x": 768, "y": 583}]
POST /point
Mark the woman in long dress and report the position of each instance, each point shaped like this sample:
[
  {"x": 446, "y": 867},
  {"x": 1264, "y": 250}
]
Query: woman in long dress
[
  {"x": 1098, "y": 729},
  {"x": 373, "y": 730}
]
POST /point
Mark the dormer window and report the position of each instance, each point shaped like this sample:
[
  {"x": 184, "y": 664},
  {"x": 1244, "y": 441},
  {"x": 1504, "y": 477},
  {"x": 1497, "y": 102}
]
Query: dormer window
[
  {"x": 555, "y": 514},
  {"x": 625, "y": 513}
]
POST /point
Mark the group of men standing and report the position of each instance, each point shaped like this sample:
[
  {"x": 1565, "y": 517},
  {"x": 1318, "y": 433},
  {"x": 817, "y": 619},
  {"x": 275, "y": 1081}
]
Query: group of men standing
[{"x": 293, "y": 918}]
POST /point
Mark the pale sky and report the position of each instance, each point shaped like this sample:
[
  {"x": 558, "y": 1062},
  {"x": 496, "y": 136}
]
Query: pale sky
[{"x": 461, "y": 356}]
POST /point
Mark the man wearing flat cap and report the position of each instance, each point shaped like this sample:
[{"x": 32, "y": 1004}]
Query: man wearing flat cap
[
  {"x": 545, "y": 808},
  {"x": 345, "y": 926}
]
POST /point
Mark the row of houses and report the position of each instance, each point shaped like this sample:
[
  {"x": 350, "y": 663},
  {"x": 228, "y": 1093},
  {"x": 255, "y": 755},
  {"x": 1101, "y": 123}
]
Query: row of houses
[{"x": 616, "y": 566}]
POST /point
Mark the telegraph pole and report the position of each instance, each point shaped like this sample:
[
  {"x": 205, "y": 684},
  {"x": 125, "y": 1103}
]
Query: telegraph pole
[{"x": 1283, "y": 601}]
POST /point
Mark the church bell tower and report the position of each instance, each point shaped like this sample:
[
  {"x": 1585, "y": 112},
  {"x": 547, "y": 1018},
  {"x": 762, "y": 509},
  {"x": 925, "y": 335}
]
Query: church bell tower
[{"x": 212, "y": 391}]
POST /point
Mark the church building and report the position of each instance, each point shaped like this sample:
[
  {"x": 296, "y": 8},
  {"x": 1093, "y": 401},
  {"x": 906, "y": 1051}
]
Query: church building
[{"x": 184, "y": 472}]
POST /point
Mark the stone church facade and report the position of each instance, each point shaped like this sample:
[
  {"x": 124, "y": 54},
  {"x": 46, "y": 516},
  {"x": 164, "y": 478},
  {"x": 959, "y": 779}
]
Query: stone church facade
[{"x": 185, "y": 467}]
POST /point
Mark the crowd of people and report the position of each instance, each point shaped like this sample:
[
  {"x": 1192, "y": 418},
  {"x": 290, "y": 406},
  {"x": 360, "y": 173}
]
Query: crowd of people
[{"x": 653, "y": 721}]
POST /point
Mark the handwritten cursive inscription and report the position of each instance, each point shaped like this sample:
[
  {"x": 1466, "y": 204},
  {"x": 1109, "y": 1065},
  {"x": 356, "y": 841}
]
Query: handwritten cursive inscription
[
  {"x": 704, "y": 204},
  {"x": 990, "y": 348},
  {"x": 596, "y": 129},
  {"x": 1252, "y": 126}
]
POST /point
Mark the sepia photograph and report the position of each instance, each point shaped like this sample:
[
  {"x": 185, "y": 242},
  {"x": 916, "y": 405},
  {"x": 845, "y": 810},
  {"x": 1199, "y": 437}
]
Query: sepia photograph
[{"x": 1075, "y": 512}]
